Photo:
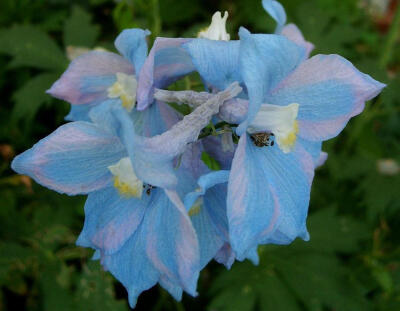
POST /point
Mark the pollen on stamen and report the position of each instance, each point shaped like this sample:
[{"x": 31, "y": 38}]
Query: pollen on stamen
[
  {"x": 125, "y": 179},
  {"x": 196, "y": 207},
  {"x": 124, "y": 88}
]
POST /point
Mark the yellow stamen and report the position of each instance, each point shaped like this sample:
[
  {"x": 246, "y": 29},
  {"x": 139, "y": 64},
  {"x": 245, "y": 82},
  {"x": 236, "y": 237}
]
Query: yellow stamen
[
  {"x": 126, "y": 190},
  {"x": 196, "y": 207},
  {"x": 125, "y": 89},
  {"x": 288, "y": 142}
]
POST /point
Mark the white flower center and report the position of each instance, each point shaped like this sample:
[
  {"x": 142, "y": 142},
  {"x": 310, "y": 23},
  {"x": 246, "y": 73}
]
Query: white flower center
[
  {"x": 125, "y": 179},
  {"x": 125, "y": 89},
  {"x": 279, "y": 120},
  {"x": 217, "y": 28}
]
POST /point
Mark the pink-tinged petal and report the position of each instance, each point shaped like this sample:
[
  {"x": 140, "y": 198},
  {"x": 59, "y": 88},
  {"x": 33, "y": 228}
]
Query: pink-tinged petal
[
  {"x": 249, "y": 203},
  {"x": 225, "y": 256},
  {"x": 329, "y": 91},
  {"x": 167, "y": 62},
  {"x": 322, "y": 159},
  {"x": 152, "y": 158},
  {"x": 234, "y": 111},
  {"x": 74, "y": 159},
  {"x": 172, "y": 242},
  {"x": 267, "y": 190},
  {"x": 89, "y": 76},
  {"x": 158, "y": 118},
  {"x": 265, "y": 61},
  {"x": 277, "y": 12},
  {"x": 293, "y": 33},
  {"x": 111, "y": 219},
  {"x": 132, "y": 44}
]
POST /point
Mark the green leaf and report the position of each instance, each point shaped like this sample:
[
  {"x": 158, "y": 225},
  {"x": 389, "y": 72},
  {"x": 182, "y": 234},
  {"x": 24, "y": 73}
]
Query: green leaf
[
  {"x": 31, "y": 96},
  {"x": 333, "y": 233},
  {"x": 55, "y": 295},
  {"x": 78, "y": 29},
  {"x": 294, "y": 276},
  {"x": 95, "y": 290},
  {"x": 210, "y": 161},
  {"x": 11, "y": 255},
  {"x": 31, "y": 47}
]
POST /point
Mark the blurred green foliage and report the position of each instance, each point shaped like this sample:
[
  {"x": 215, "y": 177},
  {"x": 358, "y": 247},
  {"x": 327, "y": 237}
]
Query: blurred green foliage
[{"x": 353, "y": 259}]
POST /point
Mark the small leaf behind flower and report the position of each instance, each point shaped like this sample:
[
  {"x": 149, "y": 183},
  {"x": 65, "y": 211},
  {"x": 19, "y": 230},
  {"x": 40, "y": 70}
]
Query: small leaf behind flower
[{"x": 210, "y": 162}]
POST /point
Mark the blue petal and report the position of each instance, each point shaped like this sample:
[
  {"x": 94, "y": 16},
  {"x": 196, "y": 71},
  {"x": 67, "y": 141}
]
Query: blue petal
[
  {"x": 132, "y": 267},
  {"x": 216, "y": 61},
  {"x": 74, "y": 159},
  {"x": 313, "y": 148},
  {"x": 173, "y": 289},
  {"x": 293, "y": 33},
  {"x": 206, "y": 182},
  {"x": 111, "y": 219},
  {"x": 210, "y": 221},
  {"x": 151, "y": 167},
  {"x": 158, "y": 118},
  {"x": 166, "y": 63},
  {"x": 277, "y": 12},
  {"x": 131, "y": 43},
  {"x": 329, "y": 91},
  {"x": 88, "y": 77},
  {"x": 79, "y": 113},
  {"x": 267, "y": 190},
  {"x": 265, "y": 60},
  {"x": 225, "y": 256},
  {"x": 171, "y": 241},
  {"x": 162, "y": 248}
]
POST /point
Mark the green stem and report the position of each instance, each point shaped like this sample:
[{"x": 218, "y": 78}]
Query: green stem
[
  {"x": 156, "y": 27},
  {"x": 393, "y": 36},
  {"x": 179, "y": 306}
]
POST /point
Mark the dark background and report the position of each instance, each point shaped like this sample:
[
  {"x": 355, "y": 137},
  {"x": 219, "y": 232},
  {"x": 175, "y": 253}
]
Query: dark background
[{"x": 353, "y": 259}]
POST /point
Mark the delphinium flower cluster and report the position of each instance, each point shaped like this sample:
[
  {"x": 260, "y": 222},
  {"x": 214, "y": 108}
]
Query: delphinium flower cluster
[{"x": 155, "y": 212}]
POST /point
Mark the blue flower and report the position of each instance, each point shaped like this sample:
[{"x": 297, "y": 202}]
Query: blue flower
[
  {"x": 155, "y": 213},
  {"x": 98, "y": 76},
  {"x": 294, "y": 103},
  {"x": 142, "y": 236},
  {"x": 135, "y": 219}
]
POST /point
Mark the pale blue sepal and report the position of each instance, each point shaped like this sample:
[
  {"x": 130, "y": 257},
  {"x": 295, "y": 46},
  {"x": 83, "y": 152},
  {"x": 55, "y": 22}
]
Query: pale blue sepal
[
  {"x": 252, "y": 255},
  {"x": 96, "y": 255},
  {"x": 60, "y": 161},
  {"x": 158, "y": 118},
  {"x": 249, "y": 202},
  {"x": 89, "y": 76},
  {"x": 101, "y": 115},
  {"x": 277, "y": 12},
  {"x": 329, "y": 91},
  {"x": 166, "y": 63},
  {"x": 267, "y": 190},
  {"x": 216, "y": 61},
  {"x": 152, "y": 167},
  {"x": 225, "y": 256},
  {"x": 131, "y": 43},
  {"x": 209, "y": 215},
  {"x": 132, "y": 267},
  {"x": 174, "y": 290},
  {"x": 176, "y": 257},
  {"x": 205, "y": 182},
  {"x": 314, "y": 148},
  {"x": 79, "y": 113},
  {"x": 111, "y": 219},
  {"x": 265, "y": 60}
]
